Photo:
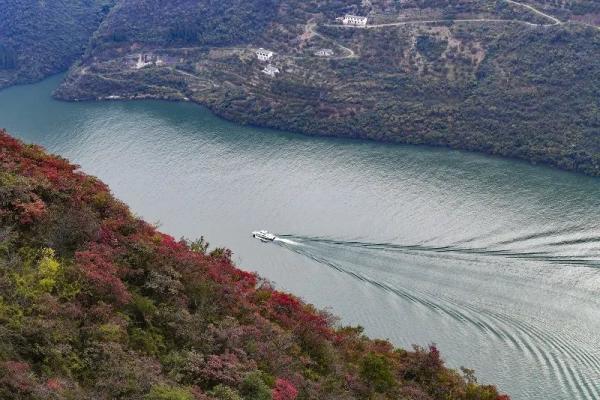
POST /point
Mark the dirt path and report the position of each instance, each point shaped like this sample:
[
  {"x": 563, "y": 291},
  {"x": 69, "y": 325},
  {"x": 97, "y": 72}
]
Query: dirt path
[
  {"x": 555, "y": 21},
  {"x": 434, "y": 21},
  {"x": 349, "y": 52}
]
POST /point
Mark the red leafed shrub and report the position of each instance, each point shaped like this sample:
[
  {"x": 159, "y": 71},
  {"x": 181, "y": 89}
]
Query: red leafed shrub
[
  {"x": 30, "y": 212},
  {"x": 98, "y": 269},
  {"x": 283, "y": 303},
  {"x": 54, "y": 384},
  {"x": 15, "y": 374},
  {"x": 284, "y": 390},
  {"x": 210, "y": 370},
  {"x": 292, "y": 313},
  {"x": 138, "y": 309},
  {"x": 169, "y": 245}
]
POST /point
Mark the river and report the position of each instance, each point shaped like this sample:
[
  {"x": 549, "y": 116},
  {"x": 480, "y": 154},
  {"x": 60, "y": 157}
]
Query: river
[{"x": 496, "y": 261}]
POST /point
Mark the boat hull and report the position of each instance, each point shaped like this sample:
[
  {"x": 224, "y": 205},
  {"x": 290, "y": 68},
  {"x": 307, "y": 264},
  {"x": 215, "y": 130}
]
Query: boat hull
[{"x": 263, "y": 236}]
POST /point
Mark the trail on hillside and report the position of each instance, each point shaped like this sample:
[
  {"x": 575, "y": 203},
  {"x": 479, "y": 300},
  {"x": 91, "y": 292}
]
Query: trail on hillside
[{"x": 554, "y": 20}]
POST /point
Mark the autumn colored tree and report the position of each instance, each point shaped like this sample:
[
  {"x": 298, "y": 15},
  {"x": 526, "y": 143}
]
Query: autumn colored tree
[{"x": 95, "y": 303}]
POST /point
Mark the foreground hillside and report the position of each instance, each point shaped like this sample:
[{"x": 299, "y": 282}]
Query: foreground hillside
[
  {"x": 517, "y": 79},
  {"x": 95, "y": 303}
]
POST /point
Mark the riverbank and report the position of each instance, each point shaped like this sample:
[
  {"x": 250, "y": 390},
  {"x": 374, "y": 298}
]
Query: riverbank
[
  {"x": 450, "y": 85},
  {"x": 566, "y": 152}
]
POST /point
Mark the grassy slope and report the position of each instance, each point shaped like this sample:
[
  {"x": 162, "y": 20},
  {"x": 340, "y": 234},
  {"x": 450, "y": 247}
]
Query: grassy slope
[
  {"x": 95, "y": 303},
  {"x": 501, "y": 88}
]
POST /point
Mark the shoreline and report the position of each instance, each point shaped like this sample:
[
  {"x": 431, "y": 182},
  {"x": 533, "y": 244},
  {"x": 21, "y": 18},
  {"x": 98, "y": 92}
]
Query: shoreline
[
  {"x": 361, "y": 137},
  {"x": 281, "y": 128}
]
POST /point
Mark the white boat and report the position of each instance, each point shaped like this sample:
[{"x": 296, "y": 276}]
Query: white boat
[{"x": 264, "y": 236}]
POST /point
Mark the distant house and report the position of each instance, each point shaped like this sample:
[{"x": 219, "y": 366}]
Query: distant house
[
  {"x": 143, "y": 60},
  {"x": 354, "y": 20},
  {"x": 271, "y": 70},
  {"x": 264, "y": 55},
  {"x": 324, "y": 53}
]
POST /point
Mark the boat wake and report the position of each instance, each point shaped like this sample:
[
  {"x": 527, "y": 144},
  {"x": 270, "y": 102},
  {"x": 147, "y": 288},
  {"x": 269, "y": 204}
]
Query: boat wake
[
  {"x": 287, "y": 241},
  {"x": 381, "y": 265},
  {"x": 549, "y": 253}
]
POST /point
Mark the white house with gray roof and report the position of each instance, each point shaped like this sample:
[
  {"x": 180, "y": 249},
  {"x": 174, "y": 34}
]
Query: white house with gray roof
[{"x": 264, "y": 54}]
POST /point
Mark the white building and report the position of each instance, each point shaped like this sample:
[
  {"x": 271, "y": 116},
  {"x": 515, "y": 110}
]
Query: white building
[
  {"x": 142, "y": 61},
  {"x": 324, "y": 53},
  {"x": 264, "y": 55},
  {"x": 355, "y": 20},
  {"x": 271, "y": 70}
]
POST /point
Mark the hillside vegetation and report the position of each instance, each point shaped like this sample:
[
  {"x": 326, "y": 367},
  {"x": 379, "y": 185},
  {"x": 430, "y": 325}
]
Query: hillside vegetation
[
  {"x": 40, "y": 38},
  {"x": 97, "y": 304},
  {"x": 501, "y": 77}
]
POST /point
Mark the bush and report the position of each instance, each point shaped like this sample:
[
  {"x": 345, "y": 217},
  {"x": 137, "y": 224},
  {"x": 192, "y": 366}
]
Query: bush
[
  {"x": 223, "y": 392},
  {"x": 164, "y": 392},
  {"x": 255, "y": 388},
  {"x": 376, "y": 369}
]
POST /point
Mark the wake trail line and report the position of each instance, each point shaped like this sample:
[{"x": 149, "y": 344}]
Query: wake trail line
[
  {"x": 545, "y": 256},
  {"x": 567, "y": 362},
  {"x": 287, "y": 241}
]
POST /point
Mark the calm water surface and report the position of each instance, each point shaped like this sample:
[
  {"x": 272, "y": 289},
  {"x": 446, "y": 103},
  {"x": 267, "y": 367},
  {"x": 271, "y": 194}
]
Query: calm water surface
[{"x": 498, "y": 262}]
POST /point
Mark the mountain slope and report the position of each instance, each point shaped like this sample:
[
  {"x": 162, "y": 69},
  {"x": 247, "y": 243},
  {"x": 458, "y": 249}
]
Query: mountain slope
[
  {"x": 97, "y": 304},
  {"x": 40, "y": 38},
  {"x": 501, "y": 77}
]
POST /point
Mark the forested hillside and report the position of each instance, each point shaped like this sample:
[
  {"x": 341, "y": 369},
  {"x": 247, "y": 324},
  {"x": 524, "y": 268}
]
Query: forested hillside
[
  {"x": 39, "y": 38},
  {"x": 97, "y": 304},
  {"x": 517, "y": 79}
]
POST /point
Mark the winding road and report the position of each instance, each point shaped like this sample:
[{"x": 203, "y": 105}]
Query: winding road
[
  {"x": 555, "y": 21},
  {"x": 310, "y": 28}
]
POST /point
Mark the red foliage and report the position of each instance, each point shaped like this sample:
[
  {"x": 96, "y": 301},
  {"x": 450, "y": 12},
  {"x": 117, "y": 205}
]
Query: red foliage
[
  {"x": 284, "y": 390},
  {"x": 292, "y": 313},
  {"x": 8, "y": 143},
  {"x": 15, "y": 374},
  {"x": 248, "y": 328},
  {"x": 32, "y": 211},
  {"x": 107, "y": 236},
  {"x": 284, "y": 303},
  {"x": 54, "y": 384},
  {"x": 98, "y": 269},
  {"x": 169, "y": 246},
  {"x": 225, "y": 368}
]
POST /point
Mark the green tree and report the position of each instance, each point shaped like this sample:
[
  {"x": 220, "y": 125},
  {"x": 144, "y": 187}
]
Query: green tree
[
  {"x": 255, "y": 388},
  {"x": 165, "y": 392},
  {"x": 376, "y": 369},
  {"x": 223, "y": 392}
]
